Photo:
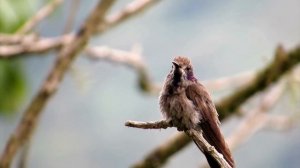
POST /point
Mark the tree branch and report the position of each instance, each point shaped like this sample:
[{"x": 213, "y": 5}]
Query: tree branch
[
  {"x": 10, "y": 39},
  {"x": 132, "y": 9},
  {"x": 132, "y": 59},
  {"x": 39, "y": 16},
  {"x": 30, "y": 44},
  {"x": 65, "y": 57},
  {"x": 231, "y": 82},
  {"x": 199, "y": 139},
  {"x": 256, "y": 118},
  {"x": 195, "y": 135},
  {"x": 163, "y": 124},
  {"x": 282, "y": 63},
  {"x": 26, "y": 45},
  {"x": 75, "y": 4}
]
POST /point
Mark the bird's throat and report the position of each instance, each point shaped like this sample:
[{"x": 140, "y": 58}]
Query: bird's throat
[{"x": 176, "y": 77}]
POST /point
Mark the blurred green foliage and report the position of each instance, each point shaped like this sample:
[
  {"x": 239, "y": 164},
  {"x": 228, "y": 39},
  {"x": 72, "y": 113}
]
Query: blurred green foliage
[
  {"x": 12, "y": 85},
  {"x": 13, "y": 14}
]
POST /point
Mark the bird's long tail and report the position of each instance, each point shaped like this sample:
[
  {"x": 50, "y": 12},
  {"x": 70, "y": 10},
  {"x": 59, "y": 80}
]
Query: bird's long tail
[{"x": 212, "y": 134}]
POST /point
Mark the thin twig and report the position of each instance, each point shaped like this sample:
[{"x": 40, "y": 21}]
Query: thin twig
[
  {"x": 39, "y": 16},
  {"x": 65, "y": 57},
  {"x": 71, "y": 17},
  {"x": 163, "y": 124},
  {"x": 129, "y": 11}
]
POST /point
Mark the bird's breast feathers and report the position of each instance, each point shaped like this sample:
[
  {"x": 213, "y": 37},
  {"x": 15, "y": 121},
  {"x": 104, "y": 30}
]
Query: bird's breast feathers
[{"x": 180, "y": 110}]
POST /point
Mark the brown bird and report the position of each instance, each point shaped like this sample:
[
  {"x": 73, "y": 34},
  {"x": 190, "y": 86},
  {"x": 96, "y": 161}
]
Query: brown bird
[{"x": 187, "y": 104}]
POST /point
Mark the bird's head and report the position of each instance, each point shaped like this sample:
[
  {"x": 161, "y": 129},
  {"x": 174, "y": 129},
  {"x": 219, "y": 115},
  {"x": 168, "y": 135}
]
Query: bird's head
[{"x": 182, "y": 70}]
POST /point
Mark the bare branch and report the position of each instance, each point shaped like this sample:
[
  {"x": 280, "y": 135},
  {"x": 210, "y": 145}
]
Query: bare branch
[
  {"x": 9, "y": 39},
  {"x": 24, "y": 155},
  {"x": 163, "y": 124},
  {"x": 132, "y": 59},
  {"x": 65, "y": 57},
  {"x": 199, "y": 139},
  {"x": 132, "y": 9},
  {"x": 39, "y": 16},
  {"x": 256, "y": 118},
  {"x": 195, "y": 135},
  {"x": 231, "y": 82},
  {"x": 73, "y": 10},
  {"x": 280, "y": 122},
  {"x": 29, "y": 44},
  {"x": 45, "y": 44}
]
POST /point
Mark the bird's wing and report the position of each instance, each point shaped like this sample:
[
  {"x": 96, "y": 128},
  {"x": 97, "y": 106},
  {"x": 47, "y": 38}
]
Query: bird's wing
[
  {"x": 201, "y": 99},
  {"x": 209, "y": 122}
]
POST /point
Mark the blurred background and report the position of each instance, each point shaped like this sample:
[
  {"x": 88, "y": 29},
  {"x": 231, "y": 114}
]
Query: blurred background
[{"x": 83, "y": 124}]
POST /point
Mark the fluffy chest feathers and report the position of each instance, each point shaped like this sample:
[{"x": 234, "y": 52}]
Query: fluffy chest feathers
[{"x": 180, "y": 110}]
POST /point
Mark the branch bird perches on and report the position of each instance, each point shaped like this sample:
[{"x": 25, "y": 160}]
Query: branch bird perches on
[{"x": 163, "y": 124}]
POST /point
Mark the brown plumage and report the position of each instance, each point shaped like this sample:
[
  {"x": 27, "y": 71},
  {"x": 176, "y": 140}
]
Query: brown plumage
[{"x": 188, "y": 105}]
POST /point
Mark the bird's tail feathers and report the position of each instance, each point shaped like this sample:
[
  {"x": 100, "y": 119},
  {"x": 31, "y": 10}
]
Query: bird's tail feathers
[{"x": 211, "y": 132}]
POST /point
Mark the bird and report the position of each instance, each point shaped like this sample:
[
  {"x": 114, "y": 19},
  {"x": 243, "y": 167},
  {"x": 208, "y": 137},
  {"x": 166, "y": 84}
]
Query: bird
[{"x": 187, "y": 104}]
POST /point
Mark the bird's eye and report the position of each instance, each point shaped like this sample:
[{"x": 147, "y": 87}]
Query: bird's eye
[{"x": 188, "y": 68}]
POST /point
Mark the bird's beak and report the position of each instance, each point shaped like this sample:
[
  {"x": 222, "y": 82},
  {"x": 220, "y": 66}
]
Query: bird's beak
[{"x": 175, "y": 64}]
